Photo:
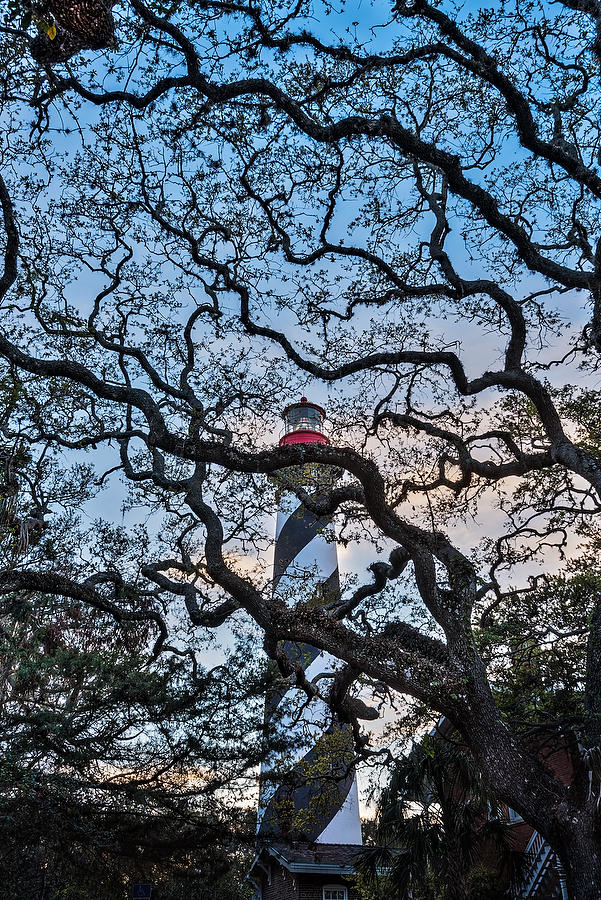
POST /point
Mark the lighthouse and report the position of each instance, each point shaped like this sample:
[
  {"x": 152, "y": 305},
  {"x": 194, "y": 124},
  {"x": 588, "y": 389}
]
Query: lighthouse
[{"x": 308, "y": 823}]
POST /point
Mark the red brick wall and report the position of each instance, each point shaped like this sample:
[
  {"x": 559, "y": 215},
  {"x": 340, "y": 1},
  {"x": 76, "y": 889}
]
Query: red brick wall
[
  {"x": 285, "y": 886},
  {"x": 560, "y": 763},
  {"x": 521, "y": 832}
]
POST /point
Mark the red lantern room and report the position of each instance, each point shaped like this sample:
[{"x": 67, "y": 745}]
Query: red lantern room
[{"x": 303, "y": 424}]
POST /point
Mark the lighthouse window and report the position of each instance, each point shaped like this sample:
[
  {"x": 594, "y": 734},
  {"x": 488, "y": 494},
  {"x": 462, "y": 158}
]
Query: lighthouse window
[
  {"x": 303, "y": 418},
  {"x": 335, "y": 893}
]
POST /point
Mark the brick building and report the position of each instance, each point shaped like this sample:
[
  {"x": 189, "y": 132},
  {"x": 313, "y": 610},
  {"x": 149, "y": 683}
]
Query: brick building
[
  {"x": 543, "y": 877},
  {"x": 300, "y": 871}
]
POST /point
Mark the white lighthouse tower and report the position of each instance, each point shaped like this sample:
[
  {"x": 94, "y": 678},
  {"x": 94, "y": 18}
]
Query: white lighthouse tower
[{"x": 308, "y": 789}]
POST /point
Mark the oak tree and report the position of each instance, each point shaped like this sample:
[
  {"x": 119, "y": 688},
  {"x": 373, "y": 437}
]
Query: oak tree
[{"x": 400, "y": 203}]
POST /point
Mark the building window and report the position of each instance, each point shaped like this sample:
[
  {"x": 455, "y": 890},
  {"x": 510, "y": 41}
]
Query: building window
[{"x": 335, "y": 892}]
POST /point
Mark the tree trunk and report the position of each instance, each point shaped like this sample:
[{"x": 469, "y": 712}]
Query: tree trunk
[
  {"x": 566, "y": 818},
  {"x": 592, "y": 690},
  {"x": 581, "y": 859}
]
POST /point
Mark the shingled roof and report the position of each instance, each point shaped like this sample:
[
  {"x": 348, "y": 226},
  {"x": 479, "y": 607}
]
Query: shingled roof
[{"x": 335, "y": 859}]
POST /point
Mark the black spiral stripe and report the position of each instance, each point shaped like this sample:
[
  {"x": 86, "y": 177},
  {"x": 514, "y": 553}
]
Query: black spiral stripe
[
  {"x": 298, "y": 531},
  {"x": 303, "y": 806}
]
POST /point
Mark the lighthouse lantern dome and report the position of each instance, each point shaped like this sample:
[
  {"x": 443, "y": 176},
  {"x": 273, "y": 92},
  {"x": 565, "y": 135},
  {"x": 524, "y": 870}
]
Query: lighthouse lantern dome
[{"x": 303, "y": 424}]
